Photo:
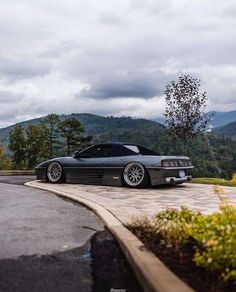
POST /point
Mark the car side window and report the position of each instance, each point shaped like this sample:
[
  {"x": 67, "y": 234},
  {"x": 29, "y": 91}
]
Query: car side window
[
  {"x": 120, "y": 150},
  {"x": 145, "y": 151},
  {"x": 98, "y": 151}
]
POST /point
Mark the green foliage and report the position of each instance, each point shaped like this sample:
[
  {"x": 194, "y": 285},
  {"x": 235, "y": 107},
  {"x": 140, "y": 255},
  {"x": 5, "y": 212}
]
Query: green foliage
[
  {"x": 37, "y": 142},
  {"x": 172, "y": 225},
  {"x": 217, "y": 234},
  {"x": 71, "y": 130},
  {"x": 17, "y": 144},
  {"x": 50, "y": 128},
  {"x": 36, "y": 147},
  {"x": 227, "y": 130},
  {"x": 6, "y": 163},
  {"x": 214, "y": 235}
]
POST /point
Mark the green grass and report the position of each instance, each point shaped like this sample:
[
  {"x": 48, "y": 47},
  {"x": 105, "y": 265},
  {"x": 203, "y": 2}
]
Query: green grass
[
  {"x": 213, "y": 181},
  {"x": 18, "y": 171}
]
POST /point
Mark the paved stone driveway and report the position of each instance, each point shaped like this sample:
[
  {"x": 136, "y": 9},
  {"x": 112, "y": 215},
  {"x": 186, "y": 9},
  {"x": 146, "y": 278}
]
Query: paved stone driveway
[{"x": 125, "y": 203}]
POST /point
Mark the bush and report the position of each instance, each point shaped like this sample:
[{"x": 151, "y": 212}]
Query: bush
[
  {"x": 5, "y": 163},
  {"x": 214, "y": 235}
]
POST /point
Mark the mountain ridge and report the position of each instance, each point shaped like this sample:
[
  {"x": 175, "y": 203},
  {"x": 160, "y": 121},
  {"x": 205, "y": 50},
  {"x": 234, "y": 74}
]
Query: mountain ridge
[
  {"x": 219, "y": 119},
  {"x": 94, "y": 124}
]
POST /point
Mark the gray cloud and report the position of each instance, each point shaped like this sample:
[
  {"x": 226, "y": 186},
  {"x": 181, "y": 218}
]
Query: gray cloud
[
  {"x": 112, "y": 57},
  {"x": 8, "y": 97},
  {"x": 132, "y": 84},
  {"x": 22, "y": 67}
]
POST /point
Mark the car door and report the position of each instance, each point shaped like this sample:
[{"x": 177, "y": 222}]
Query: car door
[{"x": 90, "y": 164}]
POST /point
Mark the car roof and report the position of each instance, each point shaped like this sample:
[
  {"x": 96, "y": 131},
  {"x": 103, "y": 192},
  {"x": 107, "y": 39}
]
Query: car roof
[{"x": 117, "y": 143}]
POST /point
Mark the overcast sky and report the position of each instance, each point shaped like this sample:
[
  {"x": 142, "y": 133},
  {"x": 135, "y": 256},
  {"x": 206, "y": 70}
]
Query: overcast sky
[{"x": 112, "y": 57}]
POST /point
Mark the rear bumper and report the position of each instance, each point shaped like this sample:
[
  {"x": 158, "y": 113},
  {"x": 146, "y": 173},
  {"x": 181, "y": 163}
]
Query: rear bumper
[
  {"x": 160, "y": 176},
  {"x": 178, "y": 179}
]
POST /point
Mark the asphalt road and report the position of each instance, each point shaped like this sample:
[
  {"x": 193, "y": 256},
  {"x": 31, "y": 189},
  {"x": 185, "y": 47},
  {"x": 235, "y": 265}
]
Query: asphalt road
[
  {"x": 16, "y": 179},
  {"x": 51, "y": 244}
]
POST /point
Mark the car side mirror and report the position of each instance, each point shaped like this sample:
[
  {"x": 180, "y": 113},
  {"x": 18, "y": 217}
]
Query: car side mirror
[{"x": 77, "y": 154}]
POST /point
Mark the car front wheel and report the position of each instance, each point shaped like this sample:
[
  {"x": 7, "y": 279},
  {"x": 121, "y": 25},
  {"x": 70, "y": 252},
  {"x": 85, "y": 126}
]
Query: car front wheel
[
  {"x": 55, "y": 173},
  {"x": 135, "y": 175}
]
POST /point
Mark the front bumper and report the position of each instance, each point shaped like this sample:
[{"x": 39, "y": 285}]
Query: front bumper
[{"x": 40, "y": 173}]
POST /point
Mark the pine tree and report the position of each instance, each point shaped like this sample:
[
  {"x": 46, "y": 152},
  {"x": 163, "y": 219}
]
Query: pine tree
[
  {"x": 49, "y": 125},
  {"x": 71, "y": 130},
  {"x": 35, "y": 149}
]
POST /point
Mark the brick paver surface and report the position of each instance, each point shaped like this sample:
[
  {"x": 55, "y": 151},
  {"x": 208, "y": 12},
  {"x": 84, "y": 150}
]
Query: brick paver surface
[{"x": 124, "y": 203}]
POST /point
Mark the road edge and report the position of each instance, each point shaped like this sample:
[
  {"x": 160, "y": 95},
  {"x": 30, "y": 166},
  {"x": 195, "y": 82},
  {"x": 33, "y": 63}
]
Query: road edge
[{"x": 151, "y": 273}]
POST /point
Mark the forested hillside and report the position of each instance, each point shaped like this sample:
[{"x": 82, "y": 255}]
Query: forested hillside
[
  {"x": 228, "y": 130},
  {"x": 212, "y": 155}
]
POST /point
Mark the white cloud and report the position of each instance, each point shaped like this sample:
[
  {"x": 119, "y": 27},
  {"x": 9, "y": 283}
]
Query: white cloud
[{"x": 112, "y": 57}]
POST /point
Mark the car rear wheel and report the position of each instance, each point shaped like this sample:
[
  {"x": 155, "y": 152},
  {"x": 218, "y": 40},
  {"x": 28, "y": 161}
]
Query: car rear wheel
[
  {"x": 135, "y": 175},
  {"x": 55, "y": 173}
]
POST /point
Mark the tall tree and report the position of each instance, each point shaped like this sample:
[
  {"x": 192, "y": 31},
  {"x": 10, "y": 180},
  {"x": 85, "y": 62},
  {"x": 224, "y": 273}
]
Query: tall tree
[
  {"x": 17, "y": 145},
  {"x": 185, "y": 106},
  {"x": 49, "y": 125},
  {"x": 71, "y": 130},
  {"x": 35, "y": 148}
]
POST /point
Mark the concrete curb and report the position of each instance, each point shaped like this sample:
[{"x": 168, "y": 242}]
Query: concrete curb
[{"x": 152, "y": 274}]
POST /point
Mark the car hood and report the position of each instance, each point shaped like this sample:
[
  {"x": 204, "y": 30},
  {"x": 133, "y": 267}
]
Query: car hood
[{"x": 58, "y": 159}]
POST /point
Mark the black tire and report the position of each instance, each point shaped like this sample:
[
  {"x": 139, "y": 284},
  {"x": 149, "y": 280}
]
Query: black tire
[
  {"x": 135, "y": 175},
  {"x": 55, "y": 173}
]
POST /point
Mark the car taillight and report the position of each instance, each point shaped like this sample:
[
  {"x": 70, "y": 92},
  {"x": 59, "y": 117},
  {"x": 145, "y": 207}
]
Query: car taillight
[
  {"x": 165, "y": 163},
  {"x": 176, "y": 163},
  {"x": 187, "y": 163}
]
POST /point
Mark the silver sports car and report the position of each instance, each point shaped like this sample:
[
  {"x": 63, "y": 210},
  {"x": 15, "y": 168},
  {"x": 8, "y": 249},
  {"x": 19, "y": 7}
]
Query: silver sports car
[{"x": 116, "y": 164}]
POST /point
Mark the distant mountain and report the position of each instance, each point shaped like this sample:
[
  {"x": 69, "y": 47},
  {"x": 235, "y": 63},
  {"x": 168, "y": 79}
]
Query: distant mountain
[
  {"x": 228, "y": 130},
  {"x": 219, "y": 118},
  {"x": 160, "y": 120},
  {"x": 223, "y": 118}
]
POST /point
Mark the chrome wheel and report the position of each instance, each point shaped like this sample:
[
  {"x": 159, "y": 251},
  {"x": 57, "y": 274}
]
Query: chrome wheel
[
  {"x": 134, "y": 174},
  {"x": 54, "y": 172}
]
